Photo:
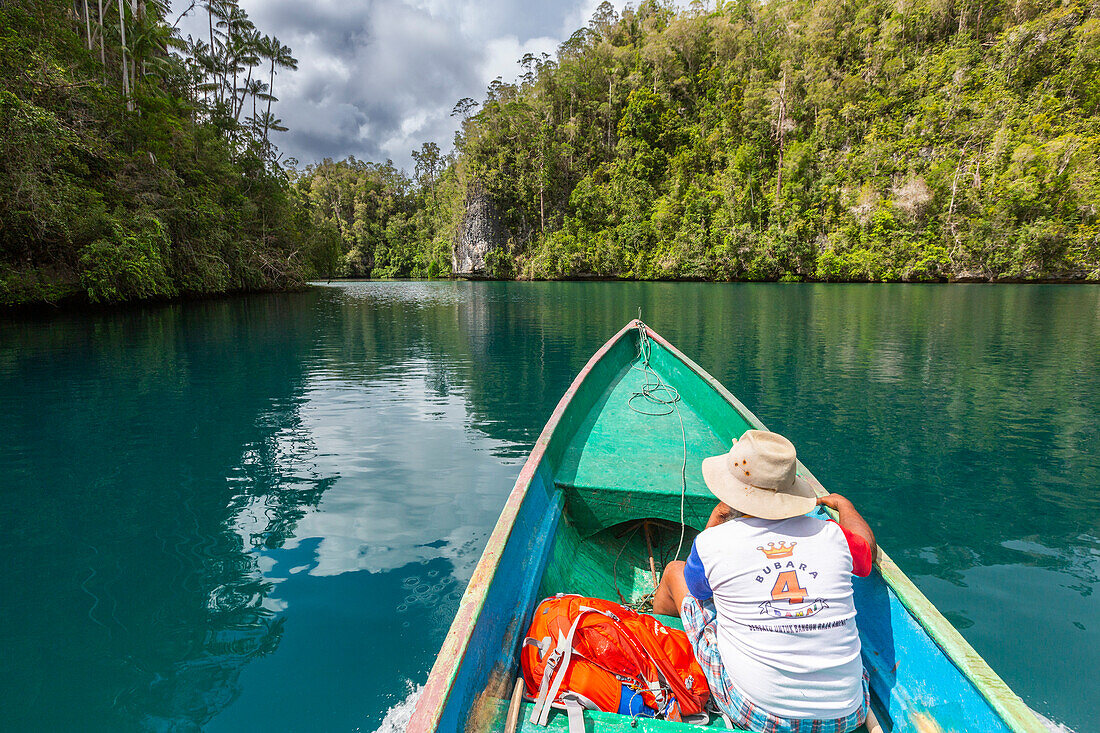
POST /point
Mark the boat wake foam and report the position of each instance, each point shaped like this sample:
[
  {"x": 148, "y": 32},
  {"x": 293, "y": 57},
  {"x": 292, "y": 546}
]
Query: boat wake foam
[
  {"x": 1051, "y": 725},
  {"x": 397, "y": 717}
]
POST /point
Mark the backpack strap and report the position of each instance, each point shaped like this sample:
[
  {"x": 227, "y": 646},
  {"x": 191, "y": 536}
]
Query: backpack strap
[
  {"x": 700, "y": 719},
  {"x": 557, "y": 663},
  {"x": 542, "y": 645},
  {"x": 544, "y": 686},
  {"x": 573, "y": 709}
]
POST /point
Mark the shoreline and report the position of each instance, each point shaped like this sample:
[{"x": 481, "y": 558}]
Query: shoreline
[
  {"x": 783, "y": 281},
  {"x": 80, "y": 304}
]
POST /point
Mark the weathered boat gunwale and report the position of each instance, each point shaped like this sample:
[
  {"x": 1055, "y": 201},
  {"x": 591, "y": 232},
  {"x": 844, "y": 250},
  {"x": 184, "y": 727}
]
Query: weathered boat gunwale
[{"x": 434, "y": 697}]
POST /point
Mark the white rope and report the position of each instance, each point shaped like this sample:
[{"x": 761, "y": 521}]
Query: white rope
[{"x": 652, "y": 389}]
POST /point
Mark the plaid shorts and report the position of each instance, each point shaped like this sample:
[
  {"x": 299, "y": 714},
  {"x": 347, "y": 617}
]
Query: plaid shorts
[{"x": 700, "y": 623}]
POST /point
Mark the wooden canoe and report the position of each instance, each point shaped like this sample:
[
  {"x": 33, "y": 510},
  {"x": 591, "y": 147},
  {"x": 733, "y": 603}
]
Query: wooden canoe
[{"x": 573, "y": 523}]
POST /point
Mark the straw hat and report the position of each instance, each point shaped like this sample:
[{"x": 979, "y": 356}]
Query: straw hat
[{"x": 757, "y": 477}]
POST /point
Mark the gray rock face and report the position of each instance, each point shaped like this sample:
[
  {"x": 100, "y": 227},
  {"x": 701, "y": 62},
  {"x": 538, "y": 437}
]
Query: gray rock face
[{"x": 479, "y": 235}]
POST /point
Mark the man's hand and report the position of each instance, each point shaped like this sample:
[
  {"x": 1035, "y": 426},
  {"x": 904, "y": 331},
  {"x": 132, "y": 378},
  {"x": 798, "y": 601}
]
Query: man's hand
[
  {"x": 833, "y": 501},
  {"x": 849, "y": 518}
]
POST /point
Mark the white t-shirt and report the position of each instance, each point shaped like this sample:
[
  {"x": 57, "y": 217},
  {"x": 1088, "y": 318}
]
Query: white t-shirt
[{"x": 786, "y": 620}]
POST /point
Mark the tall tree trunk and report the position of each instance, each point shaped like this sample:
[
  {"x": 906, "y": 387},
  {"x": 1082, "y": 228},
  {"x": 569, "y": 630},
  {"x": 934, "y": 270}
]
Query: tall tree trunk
[
  {"x": 213, "y": 55},
  {"x": 133, "y": 59},
  {"x": 88, "y": 24},
  {"x": 125, "y": 72},
  {"x": 270, "y": 94},
  {"x": 102, "y": 52},
  {"x": 610, "y": 101},
  {"x": 782, "y": 137},
  {"x": 229, "y": 45},
  {"x": 240, "y": 106}
]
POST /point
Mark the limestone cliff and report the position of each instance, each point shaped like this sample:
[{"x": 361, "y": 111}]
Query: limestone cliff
[{"x": 480, "y": 234}]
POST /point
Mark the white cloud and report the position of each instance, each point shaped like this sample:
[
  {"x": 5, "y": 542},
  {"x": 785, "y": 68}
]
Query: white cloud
[
  {"x": 376, "y": 79},
  {"x": 501, "y": 55}
]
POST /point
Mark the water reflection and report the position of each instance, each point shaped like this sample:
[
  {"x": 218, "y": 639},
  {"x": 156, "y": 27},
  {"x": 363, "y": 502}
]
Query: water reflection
[
  {"x": 261, "y": 512},
  {"x": 411, "y": 487},
  {"x": 131, "y": 604}
]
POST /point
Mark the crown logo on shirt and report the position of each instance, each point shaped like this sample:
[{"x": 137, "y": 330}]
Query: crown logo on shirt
[{"x": 774, "y": 552}]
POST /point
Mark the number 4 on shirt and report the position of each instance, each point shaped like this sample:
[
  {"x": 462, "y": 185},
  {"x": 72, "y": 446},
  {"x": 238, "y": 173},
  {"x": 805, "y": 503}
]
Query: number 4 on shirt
[{"x": 787, "y": 588}]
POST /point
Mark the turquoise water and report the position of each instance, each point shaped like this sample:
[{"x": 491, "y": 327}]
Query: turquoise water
[{"x": 259, "y": 513}]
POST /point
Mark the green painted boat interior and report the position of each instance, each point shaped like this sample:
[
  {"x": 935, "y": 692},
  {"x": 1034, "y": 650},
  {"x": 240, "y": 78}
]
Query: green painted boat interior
[
  {"x": 625, "y": 479},
  {"x": 625, "y": 456},
  {"x": 614, "y": 563}
]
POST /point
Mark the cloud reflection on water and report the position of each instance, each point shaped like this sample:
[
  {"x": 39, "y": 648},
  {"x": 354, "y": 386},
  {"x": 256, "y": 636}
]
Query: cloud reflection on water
[{"x": 410, "y": 481}]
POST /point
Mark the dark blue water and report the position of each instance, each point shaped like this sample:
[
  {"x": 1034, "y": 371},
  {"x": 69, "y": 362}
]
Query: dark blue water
[{"x": 259, "y": 513}]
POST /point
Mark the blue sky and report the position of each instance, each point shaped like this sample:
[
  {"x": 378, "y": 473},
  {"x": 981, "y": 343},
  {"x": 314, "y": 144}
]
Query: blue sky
[{"x": 376, "y": 78}]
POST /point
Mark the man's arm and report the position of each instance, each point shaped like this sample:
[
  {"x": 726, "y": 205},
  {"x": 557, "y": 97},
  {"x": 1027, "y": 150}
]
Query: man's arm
[{"x": 850, "y": 519}]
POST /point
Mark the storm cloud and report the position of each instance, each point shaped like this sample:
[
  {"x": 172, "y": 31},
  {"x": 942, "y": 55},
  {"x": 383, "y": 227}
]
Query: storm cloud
[{"x": 376, "y": 78}]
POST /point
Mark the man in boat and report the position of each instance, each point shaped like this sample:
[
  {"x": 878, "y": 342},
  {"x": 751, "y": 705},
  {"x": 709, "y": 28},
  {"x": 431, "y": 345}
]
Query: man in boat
[{"x": 766, "y": 594}]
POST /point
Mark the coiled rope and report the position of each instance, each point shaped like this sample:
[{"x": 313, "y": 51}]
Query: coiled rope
[{"x": 660, "y": 399}]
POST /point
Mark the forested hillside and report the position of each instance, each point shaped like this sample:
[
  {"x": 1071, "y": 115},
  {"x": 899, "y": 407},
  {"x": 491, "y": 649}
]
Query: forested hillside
[
  {"x": 136, "y": 165},
  {"x": 836, "y": 140}
]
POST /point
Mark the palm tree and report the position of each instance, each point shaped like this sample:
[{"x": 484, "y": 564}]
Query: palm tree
[
  {"x": 151, "y": 42},
  {"x": 214, "y": 9},
  {"x": 279, "y": 55},
  {"x": 268, "y": 122},
  {"x": 207, "y": 65},
  {"x": 195, "y": 69},
  {"x": 237, "y": 26},
  {"x": 248, "y": 51},
  {"x": 203, "y": 63},
  {"x": 257, "y": 89}
]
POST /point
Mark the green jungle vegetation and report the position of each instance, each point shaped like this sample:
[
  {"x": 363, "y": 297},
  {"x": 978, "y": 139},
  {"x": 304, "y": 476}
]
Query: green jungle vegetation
[
  {"x": 831, "y": 140},
  {"x": 373, "y": 220},
  {"x": 136, "y": 165},
  {"x": 835, "y": 140}
]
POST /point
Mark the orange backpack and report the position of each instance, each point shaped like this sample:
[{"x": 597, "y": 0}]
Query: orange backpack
[{"x": 591, "y": 653}]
